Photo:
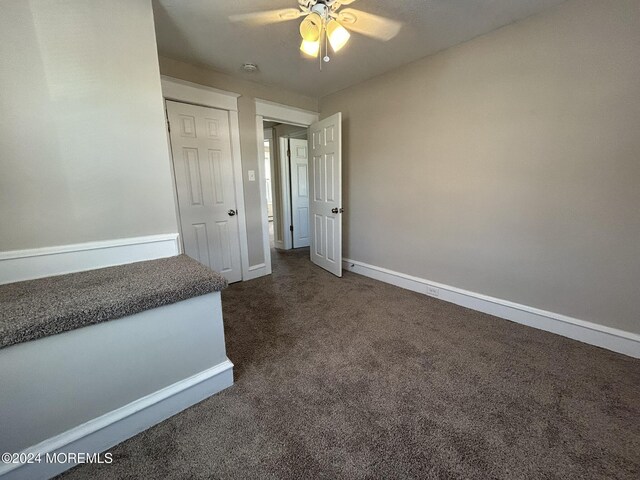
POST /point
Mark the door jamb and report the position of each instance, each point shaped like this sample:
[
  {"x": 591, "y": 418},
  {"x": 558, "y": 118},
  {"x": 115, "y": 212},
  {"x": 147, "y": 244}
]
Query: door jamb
[
  {"x": 274, "y": 157},
  {"x": 280, "y": 113},
  {"x": 285, "y": 171},
  {"x": 196, "y": 94}
]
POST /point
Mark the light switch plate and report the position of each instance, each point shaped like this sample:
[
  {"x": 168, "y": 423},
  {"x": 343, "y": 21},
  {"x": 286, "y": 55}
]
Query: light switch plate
[{"x": 252, "y": 175}]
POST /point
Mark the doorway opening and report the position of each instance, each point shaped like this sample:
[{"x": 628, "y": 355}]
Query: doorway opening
[
  {"x": 286, "y": 177},
  {"x": 321, "y": 186}
]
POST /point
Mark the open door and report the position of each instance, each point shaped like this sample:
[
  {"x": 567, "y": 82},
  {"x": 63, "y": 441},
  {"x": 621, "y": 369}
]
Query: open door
[
  {"x": 325, "y": 188},
  {"x": 299, "y": 167}
]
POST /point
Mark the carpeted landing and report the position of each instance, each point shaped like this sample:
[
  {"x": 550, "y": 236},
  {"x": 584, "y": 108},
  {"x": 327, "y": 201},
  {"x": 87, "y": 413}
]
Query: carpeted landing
[{"x": 352, "y": 378}]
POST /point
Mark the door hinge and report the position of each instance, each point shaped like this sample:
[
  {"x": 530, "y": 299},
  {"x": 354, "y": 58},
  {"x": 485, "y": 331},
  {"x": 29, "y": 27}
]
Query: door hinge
[
  {"x": 169, "y": 126},
  {"x": 291, "y": 228},
  {"x": 289, "y": 153}
]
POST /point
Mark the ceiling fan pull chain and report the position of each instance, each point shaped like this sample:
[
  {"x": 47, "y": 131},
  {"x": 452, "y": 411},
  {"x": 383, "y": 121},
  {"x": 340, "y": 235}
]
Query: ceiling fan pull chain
[
  {"x": 320, "y": 52},
  {"x": 326, "y": 43}
]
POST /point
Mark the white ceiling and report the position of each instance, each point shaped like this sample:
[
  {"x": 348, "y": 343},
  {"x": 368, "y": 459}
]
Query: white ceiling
[{"x": 199, "y": 31}]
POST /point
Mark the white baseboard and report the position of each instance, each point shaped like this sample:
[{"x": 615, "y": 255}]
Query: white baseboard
[
  {"x": 101, "y": 433},
  {"x": 18, "y": 265},
  {"x": 620, "y": 341}
]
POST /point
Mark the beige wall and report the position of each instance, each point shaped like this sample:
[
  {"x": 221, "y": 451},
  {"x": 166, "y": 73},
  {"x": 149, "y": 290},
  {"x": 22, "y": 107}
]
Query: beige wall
[
  {"x": 249, "y": 91},
  {"x": 83, "y": 148},
  {"x": 509, "y": 165}
]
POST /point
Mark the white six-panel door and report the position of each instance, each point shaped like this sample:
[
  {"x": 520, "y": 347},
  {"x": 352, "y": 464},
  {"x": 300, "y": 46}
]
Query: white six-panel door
[
  {"x": 201, "y": 150},
  {"x": 325, "y": 188},
  {"x": 299, "y": 192}
]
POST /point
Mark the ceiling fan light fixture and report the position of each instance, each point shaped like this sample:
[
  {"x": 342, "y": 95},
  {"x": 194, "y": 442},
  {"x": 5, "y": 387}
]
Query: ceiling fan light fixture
[
  {"x": 310, "y": 48},
  {"x": 311, "y": 27},
  {"x": 338, "y": 35}
]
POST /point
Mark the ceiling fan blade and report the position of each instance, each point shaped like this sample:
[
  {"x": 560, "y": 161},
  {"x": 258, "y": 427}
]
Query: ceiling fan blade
[
  {"x": 368, "y": 24},
  {"x": 267, "y": 17}
]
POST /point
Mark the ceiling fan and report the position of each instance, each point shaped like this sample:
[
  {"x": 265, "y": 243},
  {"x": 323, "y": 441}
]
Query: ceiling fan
[{"x": 326, "y": 22}]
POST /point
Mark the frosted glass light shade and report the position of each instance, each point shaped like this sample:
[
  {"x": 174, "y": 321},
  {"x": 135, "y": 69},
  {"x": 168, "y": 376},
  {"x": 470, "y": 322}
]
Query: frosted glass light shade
[
  {"x": 311, "y": 27},
  {"x": 310, "y": 48},
  {"x": 338, "y": 35}
]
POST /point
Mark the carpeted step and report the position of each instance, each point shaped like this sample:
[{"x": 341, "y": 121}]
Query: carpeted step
[{"x": 47, "y": 306}]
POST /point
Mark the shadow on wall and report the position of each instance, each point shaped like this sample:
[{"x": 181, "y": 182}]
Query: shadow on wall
[{"x": 162, "y": 18}]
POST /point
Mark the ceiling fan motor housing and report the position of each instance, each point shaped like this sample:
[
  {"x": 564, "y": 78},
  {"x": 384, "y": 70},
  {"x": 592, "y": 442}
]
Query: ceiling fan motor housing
[{"x": 321, "y": 7}]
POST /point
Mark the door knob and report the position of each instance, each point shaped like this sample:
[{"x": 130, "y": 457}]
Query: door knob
[
  {"x": 232, "y": 212},
  {"x": 334, "y": 210}
]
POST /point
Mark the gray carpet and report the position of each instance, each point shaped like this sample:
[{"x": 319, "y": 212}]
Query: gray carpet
[{"x": 352, "y": 378}]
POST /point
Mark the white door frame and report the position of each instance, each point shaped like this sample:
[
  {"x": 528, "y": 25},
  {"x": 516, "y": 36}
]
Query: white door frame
[
  {"x": 266, "y": 110},
  {"x": 269, "y": 138},
  {"x": 277, "y": 201},
  {"x": 196, "y": 94},
  {"x": 285, "y": 192}
]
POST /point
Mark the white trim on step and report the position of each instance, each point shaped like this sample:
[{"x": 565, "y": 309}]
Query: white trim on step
[
  {"x": 99, "y": 434},
  {"x": 18, "y": 265},
  {"x": 613, "y": 339}
]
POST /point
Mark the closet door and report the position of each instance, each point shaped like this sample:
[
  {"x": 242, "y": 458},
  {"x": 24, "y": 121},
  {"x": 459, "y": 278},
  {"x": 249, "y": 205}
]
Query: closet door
[{"x": 202, "y": 162}]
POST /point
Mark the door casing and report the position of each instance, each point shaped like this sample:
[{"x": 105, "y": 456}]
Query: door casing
[
  {"x": 188, "y": 92},
  {"x": 277, "y": 112}
]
